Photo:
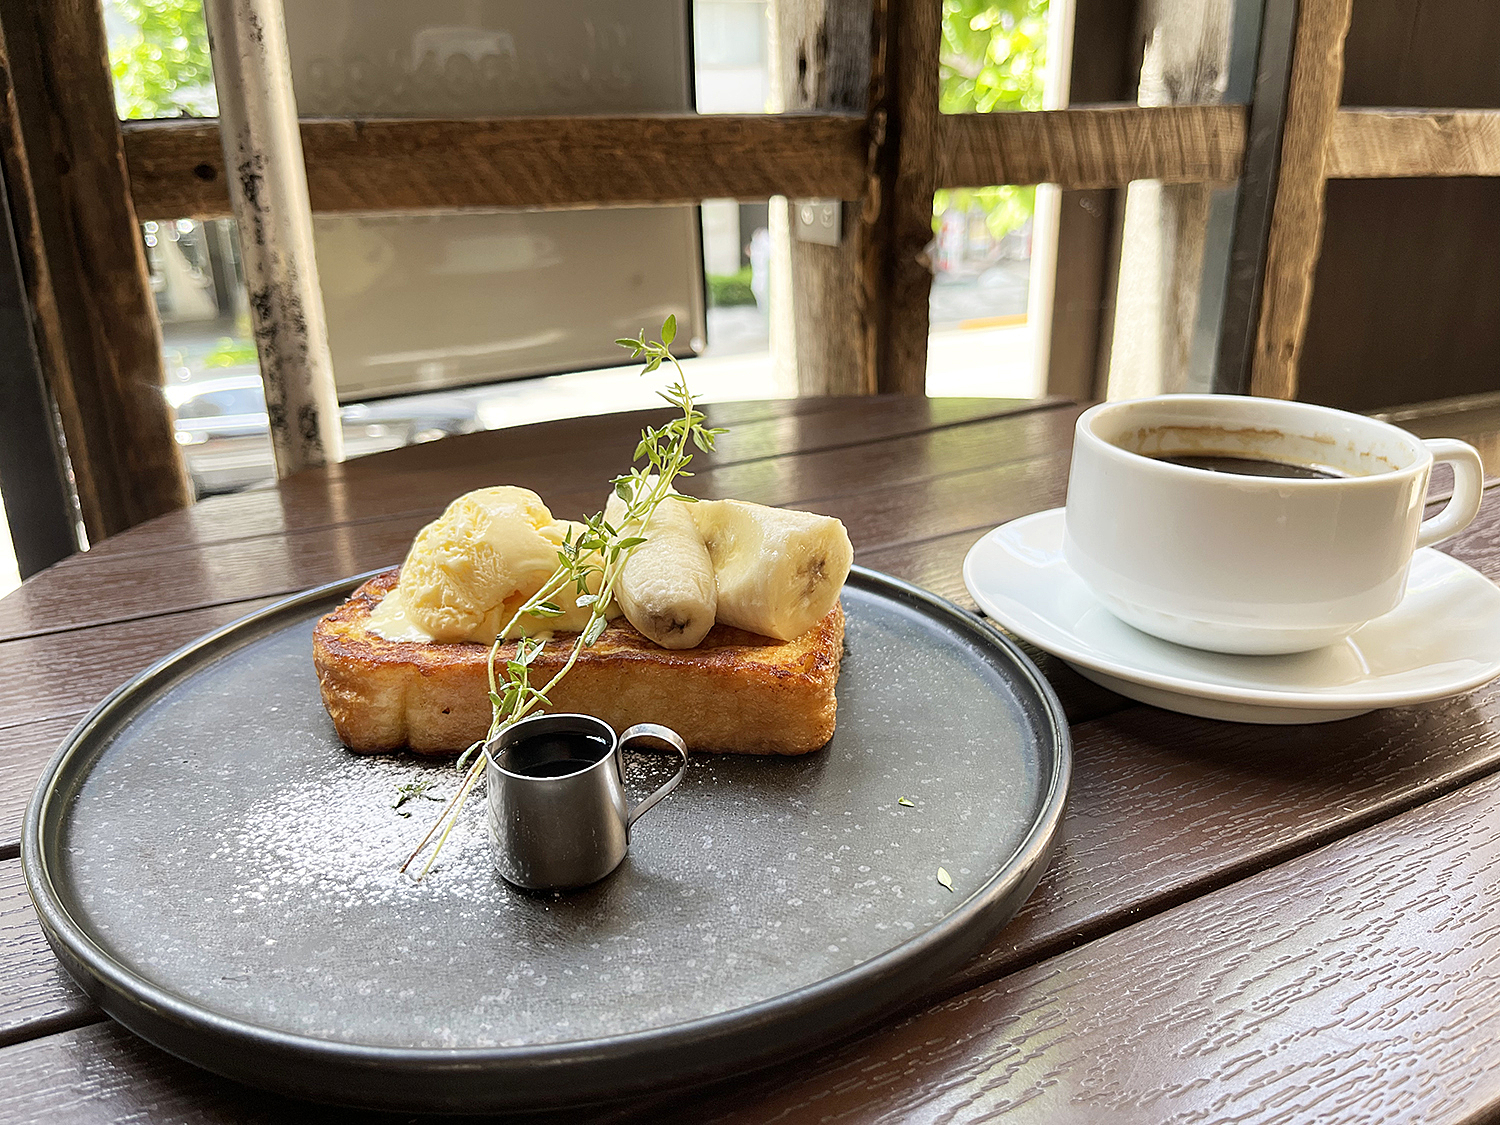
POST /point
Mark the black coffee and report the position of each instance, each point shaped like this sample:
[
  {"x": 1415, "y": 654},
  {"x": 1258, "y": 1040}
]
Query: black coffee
[
  {"x": 556, "y": 754},
  {"x": 1249, "y": 466}
]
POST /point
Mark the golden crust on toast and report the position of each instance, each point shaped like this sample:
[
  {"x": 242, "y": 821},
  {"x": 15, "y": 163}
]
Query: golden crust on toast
[{"x": 736, "y": 692}]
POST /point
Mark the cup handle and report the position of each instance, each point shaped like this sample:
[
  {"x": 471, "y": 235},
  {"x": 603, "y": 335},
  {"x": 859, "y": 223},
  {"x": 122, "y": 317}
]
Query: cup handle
[
  {"x": 661, "y": 734},
  {"x": 1468, "y": 490}
]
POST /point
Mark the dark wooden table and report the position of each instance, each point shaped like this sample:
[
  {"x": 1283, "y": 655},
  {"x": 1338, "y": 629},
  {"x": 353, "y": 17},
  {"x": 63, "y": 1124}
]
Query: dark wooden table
[{"x": 1243, "y": 923}]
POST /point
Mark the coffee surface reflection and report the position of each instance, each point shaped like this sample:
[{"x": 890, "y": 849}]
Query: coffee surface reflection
[{"x": 1250, "y": 466}]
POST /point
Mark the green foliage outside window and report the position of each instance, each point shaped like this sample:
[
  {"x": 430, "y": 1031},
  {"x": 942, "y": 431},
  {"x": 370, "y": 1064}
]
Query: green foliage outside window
[
  {"x": 161, "y": 66},
  {"x": 992, "y": 59}
]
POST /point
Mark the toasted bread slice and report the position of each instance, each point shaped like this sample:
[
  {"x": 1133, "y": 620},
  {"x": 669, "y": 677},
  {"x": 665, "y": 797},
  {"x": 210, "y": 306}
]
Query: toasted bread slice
[{"x": 735, "y": 692}]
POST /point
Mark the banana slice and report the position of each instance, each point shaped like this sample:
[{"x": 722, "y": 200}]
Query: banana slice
[
  {"x": 779, "y": 571},
  {"x": 667, "y": 586}
]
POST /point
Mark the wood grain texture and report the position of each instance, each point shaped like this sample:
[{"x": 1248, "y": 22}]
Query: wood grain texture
[
  {"x": 24, "y": 750},
  {"x": 914, "y": 131},
  {"x": 1382, "y": 143},
  {"x": 1152, "y": 974},
  {"x": 319, "y": 498},
  {"x": 1165, "y": 808},
  {"x": 1297, "y": 215},
  {"x": 119, "y": 428},
  {"x": 1093, "y": 147},
  {"x": 177, "y": 168},
  {"x": 1479, "y": 543},
  {"x": 355, "y": 520},
  {"x": 1353, "y": 984},
  {"x": 138, "y": 587},
  {"x": 38, "y": 997},
  {"x": 64, "y": 673},
  {"x": 103, "y": 1075},
  {"x": 823, "y": 62},
  {"x": 36, "y": 276}
]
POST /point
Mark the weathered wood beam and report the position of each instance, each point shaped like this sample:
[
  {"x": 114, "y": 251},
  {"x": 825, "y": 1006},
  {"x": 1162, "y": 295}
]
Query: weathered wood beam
[
  {"x": 1297, "y": 215},
  {"x": 1384, "y": 143},
  {"x": 177, "y": 170},
  {"x": 85, "y": 266},
  {"x": 1093, "y": 147},
  {"x": 824, "y": 62},
  {"x": 914, "y": 129}
]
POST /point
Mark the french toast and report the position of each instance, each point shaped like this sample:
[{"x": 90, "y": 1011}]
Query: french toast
[{"x": 736, "y": 692}]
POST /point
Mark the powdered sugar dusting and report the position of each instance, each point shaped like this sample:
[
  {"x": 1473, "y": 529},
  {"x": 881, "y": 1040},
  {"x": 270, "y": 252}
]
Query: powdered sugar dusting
[{"x": 227, "y": 847}]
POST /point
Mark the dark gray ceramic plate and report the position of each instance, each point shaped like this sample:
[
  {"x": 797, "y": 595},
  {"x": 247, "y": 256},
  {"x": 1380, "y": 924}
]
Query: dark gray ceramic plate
[{"x": 220, "y": 875}]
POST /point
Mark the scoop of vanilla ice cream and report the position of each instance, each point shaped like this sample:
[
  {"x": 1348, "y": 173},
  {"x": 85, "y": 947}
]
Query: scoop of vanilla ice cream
[{"x": 473, "y": 567}]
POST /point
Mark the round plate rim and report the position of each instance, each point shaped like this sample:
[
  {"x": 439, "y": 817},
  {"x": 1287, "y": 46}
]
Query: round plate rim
[
  {"x": 1204, "y": 689},
  {"x": 123, "y": 993}
]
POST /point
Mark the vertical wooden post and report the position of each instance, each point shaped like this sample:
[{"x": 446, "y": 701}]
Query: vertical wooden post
[
  {"x": 824, "y": 62},
  {"x": 1297, "y": 216},
  {"x": 913, "y": 77},
  {"x": 85, "y": 266}
]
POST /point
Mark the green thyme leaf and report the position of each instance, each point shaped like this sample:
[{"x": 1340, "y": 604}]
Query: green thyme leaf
[
  {"x": 411, "y": 791},
  {"x": 904, "y": 801},
  {"x": 944, "y": 878}
]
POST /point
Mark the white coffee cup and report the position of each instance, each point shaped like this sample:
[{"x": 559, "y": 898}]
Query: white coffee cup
[{"x": 1253, "y": 564}]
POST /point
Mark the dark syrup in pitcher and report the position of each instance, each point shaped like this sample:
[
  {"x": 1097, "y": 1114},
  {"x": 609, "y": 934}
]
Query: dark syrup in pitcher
[{"x": 555, "y": 755}]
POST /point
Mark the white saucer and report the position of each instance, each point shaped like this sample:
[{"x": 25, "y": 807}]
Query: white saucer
[{"x": 1443, "y": 639}]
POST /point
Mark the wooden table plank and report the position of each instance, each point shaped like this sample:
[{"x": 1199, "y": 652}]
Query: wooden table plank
[
  {"x": 1479, "y": 543},
  {"x": 1355, "y": 983},
  {"x": 1065, "y": 1041},
  {"x": 1166, "y": 807},
  {"x": 546, "y": 456},
  {"x": 259, "y": 511},
  {"x": 24, "y": 750},
  {"x": 937, "y": 565},
  {"x": 38, "y": 997},
  {"x": 119, "y": 586},
  {"x": 67, "y": 672},
  {"x": 889, "y": 508}
]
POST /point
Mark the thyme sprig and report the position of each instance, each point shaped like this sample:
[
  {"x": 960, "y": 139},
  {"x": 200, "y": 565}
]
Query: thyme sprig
[{"x": 590, "y": 563}]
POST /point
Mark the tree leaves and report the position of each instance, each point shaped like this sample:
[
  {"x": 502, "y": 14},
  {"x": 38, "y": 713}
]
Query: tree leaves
[{"x": 992, "y": 59}]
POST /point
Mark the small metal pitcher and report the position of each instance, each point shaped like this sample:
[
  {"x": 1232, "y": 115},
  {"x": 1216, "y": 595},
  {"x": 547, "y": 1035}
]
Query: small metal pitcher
[{"x": 557, "y": 812}]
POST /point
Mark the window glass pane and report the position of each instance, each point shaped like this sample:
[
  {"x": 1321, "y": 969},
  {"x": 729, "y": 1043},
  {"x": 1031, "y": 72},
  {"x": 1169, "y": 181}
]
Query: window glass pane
[
  {"x": 158, "y": 52},
  {"x": 1172, "y": 240},
  {"x": 731, "y": 54},
  {"x": 993, "y": 55},
  {"x": 10, "y": 570},
  {"x": 430, "y": 301},
  {"x": 993, "y": 59}
]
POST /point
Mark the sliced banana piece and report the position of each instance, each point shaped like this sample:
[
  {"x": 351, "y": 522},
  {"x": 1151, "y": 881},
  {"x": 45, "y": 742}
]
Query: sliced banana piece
[
  {"x": 779, "y": 571},
  {"x": 666, "y": 588}
]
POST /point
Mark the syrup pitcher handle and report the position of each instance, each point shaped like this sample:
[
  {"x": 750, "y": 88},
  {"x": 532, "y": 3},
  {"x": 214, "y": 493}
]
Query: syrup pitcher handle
[
  {"x": 1468, "y": 490},
  {"x": 658, "y": 733}
]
